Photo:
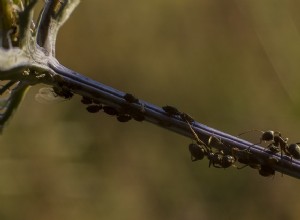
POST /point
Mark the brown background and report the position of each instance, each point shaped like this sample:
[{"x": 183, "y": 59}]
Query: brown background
[{"x": 232, "y": 65}]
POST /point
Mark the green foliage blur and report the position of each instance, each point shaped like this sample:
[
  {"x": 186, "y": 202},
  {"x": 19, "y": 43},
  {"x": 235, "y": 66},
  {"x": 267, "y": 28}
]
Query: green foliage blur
[{"x": 232, "y": 65}]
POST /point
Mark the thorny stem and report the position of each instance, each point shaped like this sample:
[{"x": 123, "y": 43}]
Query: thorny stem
[{"x": 35, "y": 63}]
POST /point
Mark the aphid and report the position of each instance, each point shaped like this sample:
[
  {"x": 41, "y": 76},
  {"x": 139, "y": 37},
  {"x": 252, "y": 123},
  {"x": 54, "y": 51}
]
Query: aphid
[
  {"x": 110, "y": 110},
  {"x": 266, "y": 171},
  {"x": 170, "y": 110},
  {"x": 130, "y": 98},
  {"x": 138, "y": 116},
  {"x": 65, "y": 93},
  {"x": 96, "y": 101},
  {"x": 124, "y": 118},
  {"x": 86, "y": 100},
  {"x": 253, "y": 163},
  {"x": 186, "y": 117},
  {"x": 197, "y": 152},
  {"x": 94, "y": 108},
  {"x": 248, "y": 160}
]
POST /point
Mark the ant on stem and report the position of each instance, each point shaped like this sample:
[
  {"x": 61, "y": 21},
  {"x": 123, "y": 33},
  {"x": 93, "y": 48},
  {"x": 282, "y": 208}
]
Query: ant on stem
[{"x": 278, "y": 143}]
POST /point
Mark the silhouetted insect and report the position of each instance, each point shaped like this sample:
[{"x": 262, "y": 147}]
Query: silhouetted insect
[
  {"x": 186, "y": 117},
  {"x": 266, "y": 171},
  {"x": 248, "y": 160},
  {"x": 96, "y": 101},
  {"x": 110, "y": 110},
  {"x": 130, "y": 98},
  {"x": 219, "y": 160},
  {"x": 266, "y": 135},
  {"x": 170, "y": 110},
  {"x": 138, "y": 116},
  {"x": 245, "y": 158},
  {"x": 94, "y": 108},
  {"x": 227, "y": 161},
  {"x": 294, "y": 150},
  {"x": 86, "y": 100},
  {"x": 197, "y": 151},
  {"x": 65, "y": 93},
  {"x": 277, "y": 142},
  {"x": 218, "y": 144},
  {"x": 124, "y": 118}
]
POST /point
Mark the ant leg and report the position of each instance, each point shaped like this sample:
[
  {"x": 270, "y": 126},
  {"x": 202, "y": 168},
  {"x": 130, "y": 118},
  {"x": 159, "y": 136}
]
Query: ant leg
[
  {"x": 200, "y": 142},
  {"x": 249, "y": 132}
]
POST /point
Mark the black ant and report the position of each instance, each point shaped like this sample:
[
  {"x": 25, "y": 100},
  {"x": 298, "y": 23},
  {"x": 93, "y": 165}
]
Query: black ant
[
  {"x": 220, "y": 160},
  {"x": 278, "y": 143}
]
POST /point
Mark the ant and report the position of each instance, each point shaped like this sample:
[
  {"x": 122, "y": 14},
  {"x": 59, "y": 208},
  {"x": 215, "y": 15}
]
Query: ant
[
  {"x": 278, "y": 143},
  {"x": 220, "y": 160}
]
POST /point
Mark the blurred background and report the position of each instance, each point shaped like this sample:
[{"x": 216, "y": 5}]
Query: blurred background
[{"x": 232, "y": 65}]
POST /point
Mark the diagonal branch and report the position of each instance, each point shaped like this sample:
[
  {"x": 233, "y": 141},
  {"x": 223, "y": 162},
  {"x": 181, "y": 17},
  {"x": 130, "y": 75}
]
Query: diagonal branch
[
  {"x": 33, "y": 62},
  {"x": 109, "y": 96}
]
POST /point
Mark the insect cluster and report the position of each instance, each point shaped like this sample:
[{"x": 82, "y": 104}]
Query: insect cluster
[
  {"x": 218, "y": 158},
  {"x": 124, "y": 114},
  {"x": 220, "y": 155},
  {"x": 277, "y": 144}
]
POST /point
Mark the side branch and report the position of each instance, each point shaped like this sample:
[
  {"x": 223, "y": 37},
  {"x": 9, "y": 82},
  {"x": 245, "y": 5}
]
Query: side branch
[{"x": 109, "y": 96}]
